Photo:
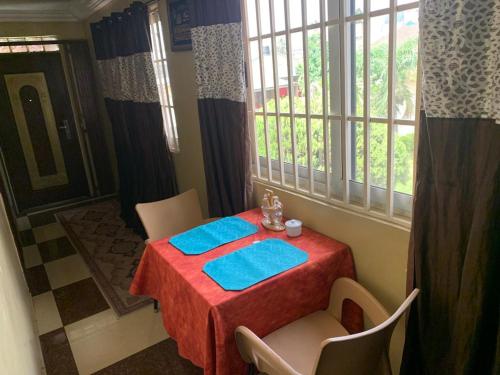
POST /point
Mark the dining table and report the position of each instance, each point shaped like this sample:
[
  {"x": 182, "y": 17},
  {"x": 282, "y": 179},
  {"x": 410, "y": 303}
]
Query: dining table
[{"x": 201, "y": 316}]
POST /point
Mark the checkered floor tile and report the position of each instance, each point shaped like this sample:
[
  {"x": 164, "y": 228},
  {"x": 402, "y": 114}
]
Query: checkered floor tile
[{"x": 79, "y": 332}]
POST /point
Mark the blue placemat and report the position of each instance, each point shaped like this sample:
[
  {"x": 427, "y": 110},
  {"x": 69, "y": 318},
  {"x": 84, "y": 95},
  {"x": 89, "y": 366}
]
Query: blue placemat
[
  {"x": 255, "y": 263},
  {"x": 206, "y": 237}
]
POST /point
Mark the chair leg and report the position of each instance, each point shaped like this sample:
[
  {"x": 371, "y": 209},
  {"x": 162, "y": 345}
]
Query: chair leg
[
  {"x": 155, "y": 306},
  {"x": 252, "y": 370}
]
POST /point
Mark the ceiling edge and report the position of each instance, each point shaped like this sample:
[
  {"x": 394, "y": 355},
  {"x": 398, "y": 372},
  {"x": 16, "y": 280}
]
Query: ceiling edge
[
  {"x": 36, "y": 16},
  {"x": 74, "y": 11}
]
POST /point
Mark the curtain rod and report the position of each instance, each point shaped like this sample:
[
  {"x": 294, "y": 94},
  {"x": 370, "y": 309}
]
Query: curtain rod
[{"x": 61, "y": 41}]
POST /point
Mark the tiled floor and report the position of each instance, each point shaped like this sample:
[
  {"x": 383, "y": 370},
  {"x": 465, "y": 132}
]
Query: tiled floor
[{"x": 79, "y": 332}]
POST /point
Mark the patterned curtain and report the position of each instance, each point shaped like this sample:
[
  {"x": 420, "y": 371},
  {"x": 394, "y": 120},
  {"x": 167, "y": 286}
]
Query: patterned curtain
[
  {"x": 220, "y": 75},
  {"x": 455, "y": 238},
  {"x": 122, "y": 45}
]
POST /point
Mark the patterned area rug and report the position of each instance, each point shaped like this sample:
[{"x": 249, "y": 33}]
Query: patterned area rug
[{"x": 111, "y": 250}]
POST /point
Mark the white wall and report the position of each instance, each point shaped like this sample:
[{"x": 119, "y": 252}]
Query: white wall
[{"x": 19, "y": 345}]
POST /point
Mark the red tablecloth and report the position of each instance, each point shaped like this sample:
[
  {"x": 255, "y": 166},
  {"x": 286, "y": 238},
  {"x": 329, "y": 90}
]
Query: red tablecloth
[{"x": 202, "y": 317}]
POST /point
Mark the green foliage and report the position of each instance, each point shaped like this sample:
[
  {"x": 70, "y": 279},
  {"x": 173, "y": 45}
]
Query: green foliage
[{"x": 405, "y": 77}]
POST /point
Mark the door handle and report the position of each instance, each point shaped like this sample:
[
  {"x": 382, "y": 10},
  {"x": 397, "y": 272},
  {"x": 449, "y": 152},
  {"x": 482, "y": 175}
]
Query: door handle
[{"x": 67, "y": 130}]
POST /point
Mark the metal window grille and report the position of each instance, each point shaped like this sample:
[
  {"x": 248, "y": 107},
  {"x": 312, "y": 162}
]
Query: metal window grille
[{"x": 332, "y": 100}]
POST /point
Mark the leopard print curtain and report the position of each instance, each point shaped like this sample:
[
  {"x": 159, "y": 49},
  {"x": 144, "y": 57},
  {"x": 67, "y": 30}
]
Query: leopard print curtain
[
  {"x": 220, "y": 76},
  {"x": 460, "y": 54}
]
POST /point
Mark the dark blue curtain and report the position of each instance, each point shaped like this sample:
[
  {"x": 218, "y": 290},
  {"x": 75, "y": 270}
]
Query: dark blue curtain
[
  {"x": 122, "y": 45},
  {"x": 219, "y": 62}
]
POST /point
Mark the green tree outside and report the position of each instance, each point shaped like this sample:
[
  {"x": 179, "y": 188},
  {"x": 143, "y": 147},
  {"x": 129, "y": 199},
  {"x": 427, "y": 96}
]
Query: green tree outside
[{"x": 405, "y": 71}]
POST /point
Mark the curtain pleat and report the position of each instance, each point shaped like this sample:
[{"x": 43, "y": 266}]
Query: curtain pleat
[
  {"x": 455, "y": 249},
  {"x": 224, "y": 148}
]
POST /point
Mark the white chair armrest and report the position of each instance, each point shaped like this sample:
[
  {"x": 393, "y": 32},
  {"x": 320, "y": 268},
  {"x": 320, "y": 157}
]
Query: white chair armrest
[
  {"x": 254, "y": 350},
  {"x": 345, "y": 288}
]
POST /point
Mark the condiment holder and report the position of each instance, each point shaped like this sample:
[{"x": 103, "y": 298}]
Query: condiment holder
[{"x": 272, "y": 210}]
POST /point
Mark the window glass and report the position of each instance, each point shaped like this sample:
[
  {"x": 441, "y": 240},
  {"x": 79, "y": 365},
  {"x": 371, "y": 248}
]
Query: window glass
[
  {"x": 404, "y": 143},
  {"x": 163, "y": 79},
  {"x": 356, "y": 133},
  {"x": 355, "y": 69},
  {"x": 315, "y": 72},
  {"x": 267, "y": 60},
  {"x": 333, "y": 86},
  {"x": 251, "y": 18},
  {"x": 379, "y": 4},
  {"x": 379, "y": 63},
  {"x": 378, "y": 155},
  {"x": 332, "y": 9},
  {"x": 297, "y": 52},
  {"x": 295, "y": 13},
  {"x": 354, "y": 7},
  {"x": 313, "y": 12},
  {"x": 256, "y": 81},
  {"x": 265, "y": 18},
  {"x": 405, "y": 84},
  {"x": 282, "y": 71},
  {"x": 279, "y": 15}
]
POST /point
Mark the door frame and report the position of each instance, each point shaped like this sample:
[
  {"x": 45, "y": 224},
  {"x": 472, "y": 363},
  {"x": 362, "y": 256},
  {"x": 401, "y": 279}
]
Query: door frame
[
  {"x": 85, "y": 147},
  {"x": 74, "y": 98}
]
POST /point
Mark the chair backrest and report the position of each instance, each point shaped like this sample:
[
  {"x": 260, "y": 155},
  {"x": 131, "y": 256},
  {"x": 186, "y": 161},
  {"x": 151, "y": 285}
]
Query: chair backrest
[
  {"x": 170, "y": 216},
  {"x": 254, "y": 350},
  {"x": 360, "y": 353},
  {"x": 346, "y": 288}
]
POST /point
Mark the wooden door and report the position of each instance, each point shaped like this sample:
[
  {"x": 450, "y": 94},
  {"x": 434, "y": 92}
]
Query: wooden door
[{"x": 38, "y": 135}]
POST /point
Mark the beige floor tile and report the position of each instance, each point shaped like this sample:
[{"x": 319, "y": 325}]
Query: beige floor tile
[
  {"x": 31, "y": 256},
  {"x": 48, "y": 232},
  {"x": 23, "y": 223},
  {"x": 46, "y": 313},
  {"x": 102, "y": 339},
  {"x": 66, "y": 271}
]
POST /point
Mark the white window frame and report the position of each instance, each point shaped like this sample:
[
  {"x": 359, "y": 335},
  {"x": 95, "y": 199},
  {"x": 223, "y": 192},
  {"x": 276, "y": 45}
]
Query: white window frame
[
  {"x": 396, "y": 206},
  {"x": 160, "y": 65}
]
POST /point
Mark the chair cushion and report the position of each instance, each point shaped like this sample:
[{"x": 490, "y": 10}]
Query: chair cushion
[{"x": 298, "y": 343}]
